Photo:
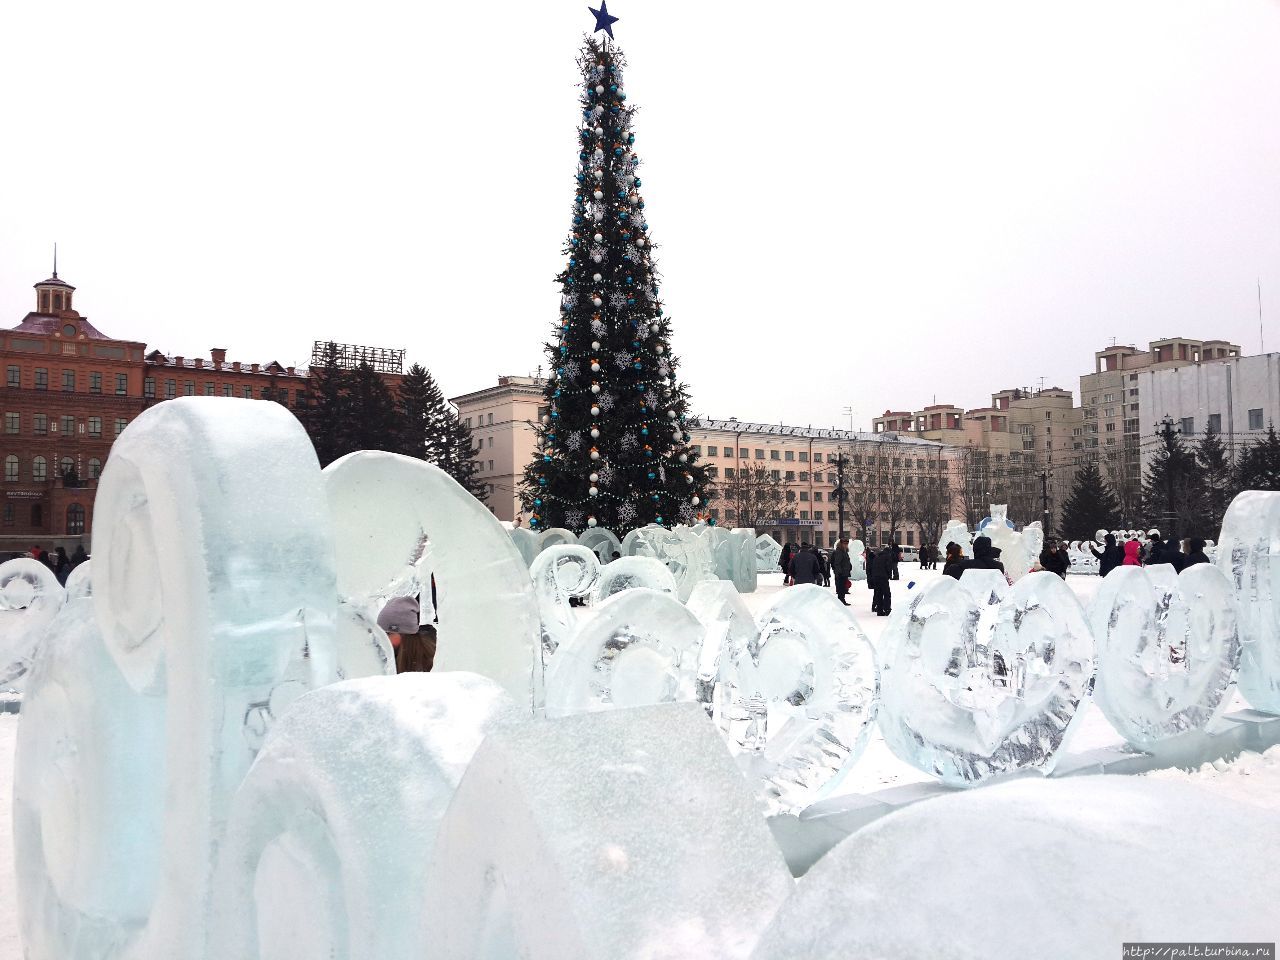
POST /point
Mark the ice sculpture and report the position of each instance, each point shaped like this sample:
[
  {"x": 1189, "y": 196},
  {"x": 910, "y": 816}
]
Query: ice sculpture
[
  {"x": 799, "y": 698},
  {"x": 79, "y": 581},
  {"x": 556, "y": 536},
  {"x": 685, "y": 554},
  {"x": 735, "y": 558},
  {"x": 30, "y": 597},
  {"x": 363, "y": 647},
  {"x": 323, "y": 845},
  {"x": 559, "y": 574},
  {"x": 638, "y": 647},
  {"x": 857, "y": 555},
  {"x": 980, "y": 679},
  {"x": 602, "y": 541},
  {"x": 727, "y": 627},
  {"x": 768, "y": 553},
  {"x": 1018, "y": 551},
  {"x": 956, "y": 532},
  {"x": 1038, "y": 868},
  {"x": 526, "y": 542},
  {"x": 1249, "y": 554},
  {"x": 630, "y": 572},
  {"x": 488, "y": 617},
  {"x": 1082, "y": 557},
  {"x": 212, "y": 557},
  {"x": 1167, "y": 648},
  {"x": 623, "y": 835}
]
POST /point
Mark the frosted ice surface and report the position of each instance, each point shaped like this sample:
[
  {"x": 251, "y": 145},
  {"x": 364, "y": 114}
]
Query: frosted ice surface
[
  {"x": 526, "y": 541},
  {"x": 336, "y": 822},
  {"x": 624, "y": 835},
  {"x": 627, "y": 573},
  {"x": 602, "y": 541},
  {"x": 488, "y": 617},
  {"x": 558, "y": 574},
  {"x": 958, "y": 533},
  {"x": 800, "y": 697},
  {"x": 980, "y": 679},
  {"x": 1167, "y": 647},
  {"x": 1249, "y": 554},
  {"x": 729, "y": 627},
  {"x": 555, "y": 537},
  {"x": 30, "y": 597},
  {"x": 638, "y": 647},
  {"x": 856, "y": 551},
  {"x": 1055, "y": 869},
  {"x": 79, "y": 581},
  {"x": 768, "y": 553},
  {"x": 735, "y": 558},
  {"x": 686, "y": 555},
  {"x": 363, "y": 647}
]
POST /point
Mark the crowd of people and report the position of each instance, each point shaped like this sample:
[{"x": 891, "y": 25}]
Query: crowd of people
[
  {"x": 1132, "y": 553},
  {"x": 59, "y": 561}
]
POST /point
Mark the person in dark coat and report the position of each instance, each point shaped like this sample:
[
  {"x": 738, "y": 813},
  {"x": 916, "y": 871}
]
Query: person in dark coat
[
  {"x": 784, "y": 562},
  {"x": 1112, "y": 555},
  {"x": 1196, "y": 555},
  {"x": 842, "y": 569},
  {"x": 1054, "y": 559},
  {"x": 895, "y": 559},
  {"x": 61, "y": 565},
  {"x": 1165, "y": 551},
  {"x": 78, "y": 556},
  {"x": 984, "y": 557},
  {"x": 882, "y": 566},
  {"x": 414, "y": 643},
  {"x": 805, "y": 566},
  {"x": 824, "y": 566},
  {"x": 953, "y": 565}
]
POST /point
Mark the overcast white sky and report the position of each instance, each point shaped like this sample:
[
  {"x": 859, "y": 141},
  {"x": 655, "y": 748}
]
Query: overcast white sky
[{"x": 856, "y": 204}]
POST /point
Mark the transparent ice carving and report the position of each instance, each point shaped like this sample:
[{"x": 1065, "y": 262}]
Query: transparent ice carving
[
  {"x": 602, "y": 541},
  {"x": 686, "y": 555},
  {"x": 324, "y": 843},
  {"x": 1249, "y": 554},
  {"x": 857, "y": 550},
  {"x": 768, "y": 553},
  {"x": 638, "y": 647},
  {"x": 621, "y": 835},
  {"x": 980, "y": 679},
  {"x": 526, "y": 542},
  {"x": 79, "y": 581},
  {"x": 956, "y": 532},
  {"x": 728, "y": 627},
  {"x": 559, "y": 574},
  {"x": 800, "y": 697},
  {"x": 556, "y": 536},
  {"x": 627, "y": 573},
  {"x": 30, "y": 597},
  {"x": 735, "y": 558},
  {"x": 1167, "y": 647}
]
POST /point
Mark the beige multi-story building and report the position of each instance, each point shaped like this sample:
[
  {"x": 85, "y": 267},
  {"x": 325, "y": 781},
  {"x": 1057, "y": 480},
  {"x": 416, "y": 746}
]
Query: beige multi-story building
[{"x": 898, "y": 486}]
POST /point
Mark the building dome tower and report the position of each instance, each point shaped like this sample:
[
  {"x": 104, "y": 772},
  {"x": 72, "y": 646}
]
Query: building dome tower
[{"x": 53, "y": 296}]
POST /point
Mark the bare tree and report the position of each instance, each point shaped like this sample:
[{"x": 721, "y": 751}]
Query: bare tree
[
  {"x": 929, "y": 506},
  {"x": 895, "y": 499},
  {"x": 756, "y": 496},
  {"x": 975, "y": 484}
]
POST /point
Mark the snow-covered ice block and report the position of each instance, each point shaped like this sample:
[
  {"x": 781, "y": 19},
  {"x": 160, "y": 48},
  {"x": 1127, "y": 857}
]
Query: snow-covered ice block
[
  {"x": 30, "y": 597},
  {"x": 982, "y": 680},
  {"x": 1167, "y": 647},
  {"x": 768, "y": 553},
  {"x": 627, "y": 834},
  {"x": 638, "y": 647},
  {"x": 331, "y": 832},
  {"x": 744, "y": 572},
  {"x": 799, "y": 699},
  {"x": 1249, "y": 554},
  {"x": 627, "y": 573},
  {"x": 1040, "y": 868},
  {"x": 386, "y": 504}
]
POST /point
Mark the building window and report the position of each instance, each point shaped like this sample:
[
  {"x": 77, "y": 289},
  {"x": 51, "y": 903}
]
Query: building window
[
  {"x": 15, "y": 376},
  {"x": 804, "y": 476},
  {"x": 121, "y": 423},
  {"x": 791, "y": 476},
  {"x": 817, "y": 496},
  {"x": 68, "y": 426},
  {"x": 1255, "y": 419},
  {"x": 775, "y": 454},
  {"x": 188, "y": 388},
  {"x": 12, "y": 422},
  {"x": 11, "y": 468},
  {"x": 774, "y": 475},
  {"x": 1215, "y": 422},
  {"x": 789, "y": 455},
  {"x": 9, "y": 513},
  {"x": 122, "y": 384},
  {"x": 68, "y": 380},
  {"x": 713, "y": 472},
  {"x": 713, "y": 451},
  {"x": 804, "y": 514},
  {"x": 39, "y": 469},
  {"x": 95, "y": 426},
  {"x": 95, "y": 468},
  {"x": 67, "y": 467},
  {"x": 170, "y": 389},
  {"x": 95, "y": 382},
  {"x": 208, "y": 389},
  {"x": 729, "y": 473},
  {"x": 817, "y": 458},
  {"x": 1188, "y": 426},
  {"x": 760, "y": 454},
  {"x": 804, "y": 495},
  {"x": 804, "y": 456},
  {"x": 75, "y": 519},
  {"x": 227, "y": 390},
  {"x": 40, "y": 424},
  {"x": 149, "y": 387},
  {"x": 42, "y": 378},
  {"x": 248, "y": 393}
]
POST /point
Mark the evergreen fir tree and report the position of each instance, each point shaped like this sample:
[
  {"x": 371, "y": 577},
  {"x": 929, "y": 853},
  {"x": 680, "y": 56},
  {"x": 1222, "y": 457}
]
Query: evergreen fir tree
[
  {"x": 1173, "y": 493},
  {"x": 326, "y": 415},
  {"x": 457, "y": 456},
  {"x": 613, "y": 447},
  {"x": 1219, "y": 477},
  {"x": 1091, "y": 506},
  {"x": 1258, "y": 467},
  {"x": 372, "y": 419},
  {"x": 424, "y": 416}
]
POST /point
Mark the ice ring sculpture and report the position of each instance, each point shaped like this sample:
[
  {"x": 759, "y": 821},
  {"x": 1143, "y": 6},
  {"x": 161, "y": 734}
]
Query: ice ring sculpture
[
  {"x": 980, "y": 679},
  {"x": 30, "y": 597},
  {"x": 207, "y": 575},
  {"x": 1168, "y": 648},
  {"x": 559, "y": 574},
  {"x": 1249, "y": 554},
  {"x": 627, "y": 573},
  {"x": 800, "y": 696}
]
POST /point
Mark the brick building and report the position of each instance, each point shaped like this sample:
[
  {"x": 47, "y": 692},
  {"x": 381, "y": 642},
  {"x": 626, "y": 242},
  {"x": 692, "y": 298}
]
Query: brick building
[{"x": 70, "y": 389}]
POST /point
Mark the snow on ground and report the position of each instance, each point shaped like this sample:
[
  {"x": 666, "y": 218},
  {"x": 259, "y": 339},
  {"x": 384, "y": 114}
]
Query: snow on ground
[{"x": 1252, "y": 778}]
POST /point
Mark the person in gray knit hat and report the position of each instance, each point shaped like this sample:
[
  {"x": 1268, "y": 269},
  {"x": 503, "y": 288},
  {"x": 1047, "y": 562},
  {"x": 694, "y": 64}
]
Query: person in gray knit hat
[{"x": 414, "y": 643}]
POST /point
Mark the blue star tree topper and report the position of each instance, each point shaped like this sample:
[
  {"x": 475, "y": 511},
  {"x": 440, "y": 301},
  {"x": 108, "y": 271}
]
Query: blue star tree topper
[{"x": 604, "y": 21}]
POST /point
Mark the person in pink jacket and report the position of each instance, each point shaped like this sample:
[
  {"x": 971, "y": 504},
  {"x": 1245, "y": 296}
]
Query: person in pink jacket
[{"x": 1131, "y": 550}]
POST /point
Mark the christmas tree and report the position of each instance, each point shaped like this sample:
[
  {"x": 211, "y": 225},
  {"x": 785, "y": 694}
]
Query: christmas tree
[
  {"x": 614, "y": 442},
  {"x": 1091, "y": 506},
  {"x": 1173, "y": 493}
]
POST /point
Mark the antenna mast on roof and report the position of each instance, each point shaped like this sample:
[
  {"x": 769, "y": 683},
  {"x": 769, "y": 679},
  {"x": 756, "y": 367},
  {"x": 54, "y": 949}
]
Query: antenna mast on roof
[
  {"x": 55, "y": 262},
  {"x": 1262, "y": 346}
]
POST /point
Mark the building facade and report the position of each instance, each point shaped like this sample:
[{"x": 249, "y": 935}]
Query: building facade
[
  {"x": 70, "y": 389},
  {"x": 503, "y": 423}
]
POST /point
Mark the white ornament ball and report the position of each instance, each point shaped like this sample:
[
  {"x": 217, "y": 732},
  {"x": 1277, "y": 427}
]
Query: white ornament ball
[
  {"x": 595, "y": 433},
  {"x": 598, "y": 174},
  {"x": 595, "y": 388},
  {"x": 591, "y": 521},
  {"x": 600, "y": 88},
  {"x": 595, "y": 344},
  {"x": 595, "y": 367},
  {"x": 595, "y": 411},
  {"x": 684, "y": 458},
  {"x": 596, "y": 277},
  {"x": 595, "y": 454},
  {"x": 594, "y": 477},
  {"x": 599, "y": 194},
  {"x": 654, "y": 328},
  {"x": 658, "y": 348},
  {"x": 592, "y": 491},
  {"x": 599, "y": 131},
  {"x": 695, "y": 501},
  {"x": 595, "y": 257},
  {"x": 546, "y": 418},
  {"x": 671, "y": 414},
  {"x": 598, "y": 238},
  {"x": 596, "y": 301},
  {"x": 640, "y": 241}
]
